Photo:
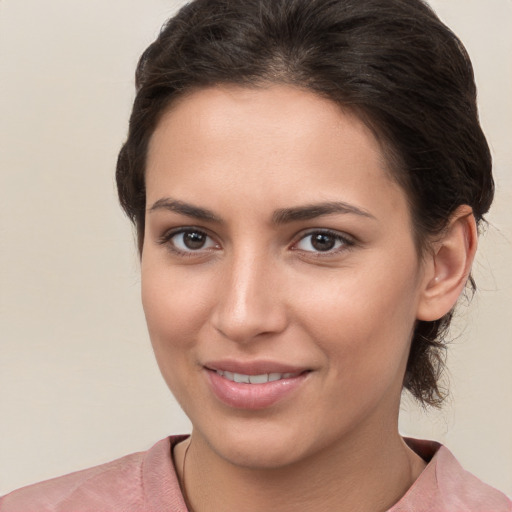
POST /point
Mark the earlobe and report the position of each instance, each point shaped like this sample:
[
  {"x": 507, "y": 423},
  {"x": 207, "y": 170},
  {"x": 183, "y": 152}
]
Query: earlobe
[{"x": 448, "y": 266}]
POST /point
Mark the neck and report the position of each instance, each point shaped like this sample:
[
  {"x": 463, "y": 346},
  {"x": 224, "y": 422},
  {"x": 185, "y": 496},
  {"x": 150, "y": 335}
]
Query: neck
[{"x": 363, "y": 474}]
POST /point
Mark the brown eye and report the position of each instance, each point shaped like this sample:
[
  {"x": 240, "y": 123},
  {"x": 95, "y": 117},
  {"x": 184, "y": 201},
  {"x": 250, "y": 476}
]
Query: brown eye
[
  {"x": 189, "y": 240},
  {"x": 194, "y": 239},
  {"x": 323, "y": 241}
]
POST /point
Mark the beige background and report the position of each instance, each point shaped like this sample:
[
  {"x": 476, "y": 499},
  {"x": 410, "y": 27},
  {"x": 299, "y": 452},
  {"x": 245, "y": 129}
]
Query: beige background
[{"x": 78, "y": 384}]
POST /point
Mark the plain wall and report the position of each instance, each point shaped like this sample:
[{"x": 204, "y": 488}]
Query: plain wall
[{"x": 78, "y": 382}]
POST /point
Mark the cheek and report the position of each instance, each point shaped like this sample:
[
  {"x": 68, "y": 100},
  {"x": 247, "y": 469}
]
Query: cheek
[
  {"x": 175, "y": 305},
  {"x": 175, "y": 308},
  {"x": 363, "y": 322}
]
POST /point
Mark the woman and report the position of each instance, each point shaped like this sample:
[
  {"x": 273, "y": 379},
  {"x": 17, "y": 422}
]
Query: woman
[{"x": 306, "y": 179}]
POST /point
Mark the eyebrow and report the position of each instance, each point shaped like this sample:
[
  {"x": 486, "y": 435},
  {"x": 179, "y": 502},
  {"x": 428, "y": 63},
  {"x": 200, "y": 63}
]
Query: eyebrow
[
  {"x": 186, "y": 209},
  {"x": 308, "y": 212},
  {"x": 281, "y": 216}
]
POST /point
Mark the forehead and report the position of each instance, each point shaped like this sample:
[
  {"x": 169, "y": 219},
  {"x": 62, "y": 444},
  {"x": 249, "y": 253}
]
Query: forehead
[{"x": 280, "y": 142}]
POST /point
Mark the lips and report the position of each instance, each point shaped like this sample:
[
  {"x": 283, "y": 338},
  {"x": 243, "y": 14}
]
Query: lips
[
  {"x": 256, "y": 367},
  {"x": 256, "y": 379},
  {"x": 253, "y": 385}
]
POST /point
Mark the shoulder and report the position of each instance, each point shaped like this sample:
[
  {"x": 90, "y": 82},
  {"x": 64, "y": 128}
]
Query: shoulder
[
  {"x": 444, "y": 486},
  {"x": 85, "y": 488},
  {"x": 138, "y": 482},
  {"x": 466, "y": 490}
]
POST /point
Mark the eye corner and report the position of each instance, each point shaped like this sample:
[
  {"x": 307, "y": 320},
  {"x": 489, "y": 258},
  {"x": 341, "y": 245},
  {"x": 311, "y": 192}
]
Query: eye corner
[
  {"x": 198, "y": 244},
  {"x": 328, "y": 243}
]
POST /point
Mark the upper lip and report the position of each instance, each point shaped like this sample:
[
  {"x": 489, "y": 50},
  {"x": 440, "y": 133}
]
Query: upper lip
[{"x": 256, "y": 367}]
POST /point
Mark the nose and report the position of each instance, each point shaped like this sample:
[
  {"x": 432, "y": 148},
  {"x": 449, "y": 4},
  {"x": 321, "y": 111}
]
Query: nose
[{"x": 251, "y": 302}]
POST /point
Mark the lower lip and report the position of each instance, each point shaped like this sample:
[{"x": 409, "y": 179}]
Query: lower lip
[{"x": 252, "y": 396}]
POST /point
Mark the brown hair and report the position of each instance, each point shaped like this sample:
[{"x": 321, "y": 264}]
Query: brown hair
[{"x": 393, "y": 62}]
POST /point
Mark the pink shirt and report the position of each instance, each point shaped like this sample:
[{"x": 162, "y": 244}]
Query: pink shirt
[{"x": 147, "y": 482}]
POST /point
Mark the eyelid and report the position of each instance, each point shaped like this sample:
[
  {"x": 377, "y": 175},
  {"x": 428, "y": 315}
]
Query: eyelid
[
  {"x": 168, "y": 235},
  {"x": 348, "y": 241}
]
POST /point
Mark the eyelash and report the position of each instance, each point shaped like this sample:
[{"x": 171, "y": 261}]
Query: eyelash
[
  {"x": 166, "y": 239},
  {"x": 347, "y": 242}
]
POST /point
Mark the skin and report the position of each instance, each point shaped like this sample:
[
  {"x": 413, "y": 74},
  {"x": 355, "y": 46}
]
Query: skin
[{"x": 258, "y": 289}]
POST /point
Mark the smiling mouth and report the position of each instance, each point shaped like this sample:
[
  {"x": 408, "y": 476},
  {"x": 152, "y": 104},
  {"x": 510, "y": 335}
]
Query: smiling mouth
[
  {"x": 256, "y": 379},
  {"x": 254, "y": 390}
]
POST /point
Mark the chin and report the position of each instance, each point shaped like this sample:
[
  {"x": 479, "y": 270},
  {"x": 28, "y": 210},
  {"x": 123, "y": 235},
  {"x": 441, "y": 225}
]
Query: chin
[
  {"x": 263, "y": 455},
  {"x": 258, "y": 446},
  {"x": 261, "y": 444}
]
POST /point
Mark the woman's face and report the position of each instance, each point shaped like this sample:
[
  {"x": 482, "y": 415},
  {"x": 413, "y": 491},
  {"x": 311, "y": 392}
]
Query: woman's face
[{"x": 277, "y": 251}]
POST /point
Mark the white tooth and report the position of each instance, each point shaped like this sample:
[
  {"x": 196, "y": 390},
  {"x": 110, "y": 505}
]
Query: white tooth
[
  {"x": 274, "y": 376},
  {"x": 288, "y": 375},
  {"x": 239, "y": 377},
  {"x": 258, "y": 379},
  {"x": 220, "y": 372},
  {"x": 229, "y": 375}
]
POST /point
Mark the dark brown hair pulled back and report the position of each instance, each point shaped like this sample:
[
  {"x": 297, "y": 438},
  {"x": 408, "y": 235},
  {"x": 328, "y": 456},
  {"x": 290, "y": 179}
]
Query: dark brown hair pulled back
[{"x": 392, "y": 62}]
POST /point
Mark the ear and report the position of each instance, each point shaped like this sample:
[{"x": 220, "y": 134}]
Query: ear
[{"x": 448, "y": 265}]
